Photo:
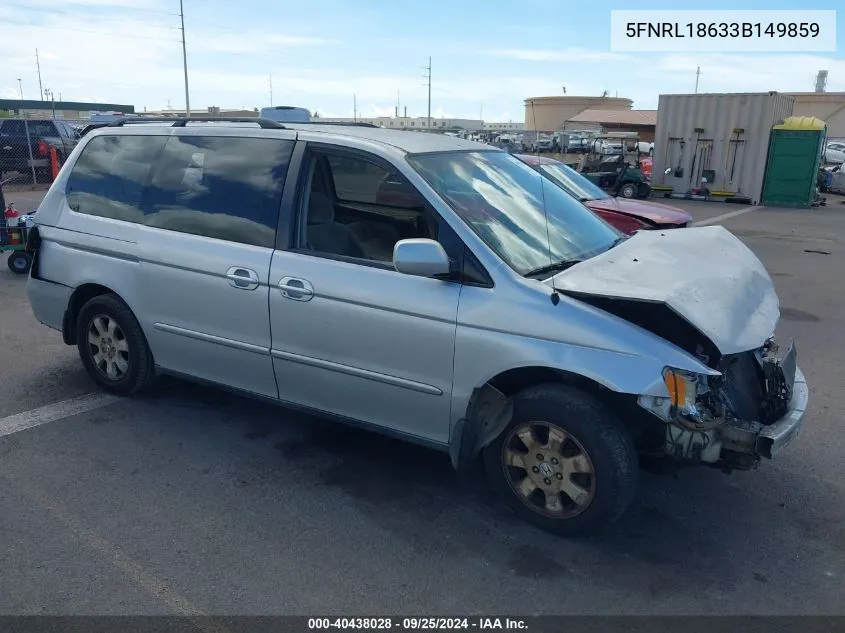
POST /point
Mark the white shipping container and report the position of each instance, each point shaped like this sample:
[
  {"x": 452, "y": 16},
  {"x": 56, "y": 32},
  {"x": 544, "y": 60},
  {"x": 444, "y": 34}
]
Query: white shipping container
[{"x": 737, "y": 167}]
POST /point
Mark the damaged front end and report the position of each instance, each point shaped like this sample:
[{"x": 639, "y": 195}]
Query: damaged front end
[{"x": 753, "y": 409}]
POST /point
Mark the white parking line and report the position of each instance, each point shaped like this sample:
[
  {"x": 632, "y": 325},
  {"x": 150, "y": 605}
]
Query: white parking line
[
  {"x": 54, "y": 412},
  {"x": 725, "y": 216}
]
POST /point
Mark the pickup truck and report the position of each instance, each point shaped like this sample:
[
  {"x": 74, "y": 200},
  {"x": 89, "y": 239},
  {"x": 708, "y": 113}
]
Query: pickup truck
[{"x": 43, "y": 134}]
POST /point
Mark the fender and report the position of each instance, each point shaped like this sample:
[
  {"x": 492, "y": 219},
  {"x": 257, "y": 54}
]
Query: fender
[{"x": 488, "y": 414}]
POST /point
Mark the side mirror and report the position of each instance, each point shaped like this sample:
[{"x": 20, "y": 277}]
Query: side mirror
[
  {"x": 668, "y": 170},
  {"x": 420, "y": 257}
]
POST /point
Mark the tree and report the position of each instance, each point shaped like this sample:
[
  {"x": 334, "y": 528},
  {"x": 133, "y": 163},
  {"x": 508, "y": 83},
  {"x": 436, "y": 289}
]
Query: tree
[{"x": 315, "y": 115}]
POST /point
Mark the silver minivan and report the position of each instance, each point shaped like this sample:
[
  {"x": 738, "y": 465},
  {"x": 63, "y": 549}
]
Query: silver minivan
[{"x": 428, "y": 287}]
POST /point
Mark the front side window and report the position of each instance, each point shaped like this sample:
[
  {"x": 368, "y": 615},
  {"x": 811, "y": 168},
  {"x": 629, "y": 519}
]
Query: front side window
[
  {"x": 529, "y": 222},
  {"x": 219, "y": 187},
  {"x": 359, "y": 208},
  {"x": 108, "y": 178}
]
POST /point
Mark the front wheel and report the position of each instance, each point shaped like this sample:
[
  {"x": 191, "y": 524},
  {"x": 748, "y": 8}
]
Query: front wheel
[
  {"x": 19, "y": 262},
  {"x": 628, "y": 190},
  {"x": 564, "y": 463},
  {"x": 113, "y": 347}
]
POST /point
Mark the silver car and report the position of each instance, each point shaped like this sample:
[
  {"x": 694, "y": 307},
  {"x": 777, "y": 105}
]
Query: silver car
[{"x": 432, "y": 288}]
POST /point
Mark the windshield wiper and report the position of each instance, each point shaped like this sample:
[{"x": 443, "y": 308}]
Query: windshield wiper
[
  {"x": 618, "y": 241},
  {"x": 554, "y": 267}
]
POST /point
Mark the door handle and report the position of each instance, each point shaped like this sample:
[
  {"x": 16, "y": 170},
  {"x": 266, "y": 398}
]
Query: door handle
[
  {"x": 296, "y": 289},
  {"x": 242, "y": 278}
]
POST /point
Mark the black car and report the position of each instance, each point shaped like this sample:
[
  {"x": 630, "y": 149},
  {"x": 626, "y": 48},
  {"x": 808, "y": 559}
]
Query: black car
[{"x": 19, "y": 136}]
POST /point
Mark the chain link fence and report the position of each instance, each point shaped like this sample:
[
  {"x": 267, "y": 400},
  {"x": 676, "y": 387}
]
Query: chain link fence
[{"x": 33, "y": 149}]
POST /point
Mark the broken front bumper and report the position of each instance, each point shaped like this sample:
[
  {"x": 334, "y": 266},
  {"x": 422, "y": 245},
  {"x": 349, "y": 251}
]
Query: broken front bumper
[{"x": 774, "y": 438}]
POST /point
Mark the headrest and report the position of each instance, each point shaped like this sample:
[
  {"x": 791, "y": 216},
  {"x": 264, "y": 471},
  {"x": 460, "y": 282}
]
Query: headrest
[{"x": 320, "y": 209}]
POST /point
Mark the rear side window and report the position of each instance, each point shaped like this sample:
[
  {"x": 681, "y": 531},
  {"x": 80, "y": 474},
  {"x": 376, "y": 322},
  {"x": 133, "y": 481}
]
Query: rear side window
[
  {"x": 109, "y": 177},
  {"x": 220, "y": 187},
  {"x": 12, "y": 128}
]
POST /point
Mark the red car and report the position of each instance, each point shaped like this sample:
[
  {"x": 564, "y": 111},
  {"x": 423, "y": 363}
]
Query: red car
[{"x": 624, "y": 214}]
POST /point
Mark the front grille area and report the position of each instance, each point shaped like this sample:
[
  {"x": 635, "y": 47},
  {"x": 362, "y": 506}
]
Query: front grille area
[{"x": 744, "y": 387}]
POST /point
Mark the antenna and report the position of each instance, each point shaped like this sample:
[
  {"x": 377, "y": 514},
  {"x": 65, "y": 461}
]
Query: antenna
[
  {"x": 821, "y": 81},
  {"x": 185, "y": 62},
  {"x": 697, "y": 75},
  {"x": 38, "y": 66}
]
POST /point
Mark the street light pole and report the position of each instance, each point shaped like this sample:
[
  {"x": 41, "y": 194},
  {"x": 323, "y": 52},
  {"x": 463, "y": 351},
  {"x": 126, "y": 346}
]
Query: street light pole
[{"x": 185, "y": 61}]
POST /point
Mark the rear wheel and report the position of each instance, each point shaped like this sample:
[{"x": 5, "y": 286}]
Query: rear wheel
[
  {"x": 113, "y": 347},
  {"x": 564, "y": 463},
  {"x": 19, "y": 262}
]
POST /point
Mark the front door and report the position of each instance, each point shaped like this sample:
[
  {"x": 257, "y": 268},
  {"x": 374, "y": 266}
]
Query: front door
[
  {"x": 351, "y": 336},
  {"x": 205, "y": 246}
]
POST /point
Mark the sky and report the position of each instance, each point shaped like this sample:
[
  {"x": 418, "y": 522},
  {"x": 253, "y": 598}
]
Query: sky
[{"x": 486, "y": 57}]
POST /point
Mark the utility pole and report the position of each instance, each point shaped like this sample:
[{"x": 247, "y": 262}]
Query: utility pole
[
  {"x": 697, "y": 74},
  {"x": 38, "y": 66},
  {"x": 271, "y": 90},
  {"x": 354, "y": 108},
  {"x": 428, "y": 83},
  {"x": 26, "y": 127},
  {"x": 185, "y": 61}
]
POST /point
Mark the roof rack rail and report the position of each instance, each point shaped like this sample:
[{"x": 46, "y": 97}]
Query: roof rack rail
[
  {"x": 344, "y": 123},
  {"x": 182, "y": 121}
]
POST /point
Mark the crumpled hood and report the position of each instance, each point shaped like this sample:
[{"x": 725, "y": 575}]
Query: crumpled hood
[
  {"x": 652, "y": 211},
  {"x": 705, "y": 274}
]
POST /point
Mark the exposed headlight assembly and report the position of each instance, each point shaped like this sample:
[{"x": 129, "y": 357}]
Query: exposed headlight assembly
[{"x": 691, "y": 403}]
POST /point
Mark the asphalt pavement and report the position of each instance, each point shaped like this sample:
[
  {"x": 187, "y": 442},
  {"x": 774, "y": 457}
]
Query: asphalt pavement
[{"x": 189, "y": 500}]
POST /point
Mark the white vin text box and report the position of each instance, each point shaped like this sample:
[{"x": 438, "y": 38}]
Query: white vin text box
[{"x": 723, "y": 31}]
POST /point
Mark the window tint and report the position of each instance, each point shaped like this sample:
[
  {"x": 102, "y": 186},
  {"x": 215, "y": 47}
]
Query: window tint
[
  {"x": 108, "y": 179},
  {"x": 42, "y": 128},
  {"x": 373, "y": 208},
  {"x": 12, "y": 127},
  {"x": 220, "y": 187}
]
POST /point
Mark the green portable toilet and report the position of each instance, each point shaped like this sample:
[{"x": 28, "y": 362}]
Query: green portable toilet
[{"x": 795, "y": 150}]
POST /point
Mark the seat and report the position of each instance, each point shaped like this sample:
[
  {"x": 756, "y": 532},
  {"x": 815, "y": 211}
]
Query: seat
[{"x": 326, "y": 235}]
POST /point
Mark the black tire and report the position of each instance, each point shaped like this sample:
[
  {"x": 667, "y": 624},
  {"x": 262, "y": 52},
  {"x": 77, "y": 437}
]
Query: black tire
[
  {"x": 628, "y": 190},
  {"x": 590, "y": 429},
  {"x": 19, "y": 262},
  {"x": 134, "y": 365}
]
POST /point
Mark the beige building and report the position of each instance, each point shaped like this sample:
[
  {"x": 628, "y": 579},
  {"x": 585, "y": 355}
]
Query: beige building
[
  {"x": 827, "y": 106},
  {"x": 548, "y": 114},
  {"x": 643, "y": 122}
]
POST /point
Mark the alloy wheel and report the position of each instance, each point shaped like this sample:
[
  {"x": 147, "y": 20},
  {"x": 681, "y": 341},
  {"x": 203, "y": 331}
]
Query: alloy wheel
[
  {"x": 108, "y": 347},
  {"x": 548, "y": 469}
]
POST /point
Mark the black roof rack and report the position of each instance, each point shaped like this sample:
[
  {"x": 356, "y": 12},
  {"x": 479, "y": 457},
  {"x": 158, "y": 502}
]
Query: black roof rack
[
  {"x": 345, "y": 123},
  {"x": 266, "y": 124}
]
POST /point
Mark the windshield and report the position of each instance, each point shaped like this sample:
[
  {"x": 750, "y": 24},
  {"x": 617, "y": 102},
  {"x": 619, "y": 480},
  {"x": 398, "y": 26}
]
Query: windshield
[
  {"x": 528, "y": 221},
  {"x": 572, "y": 181}
]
